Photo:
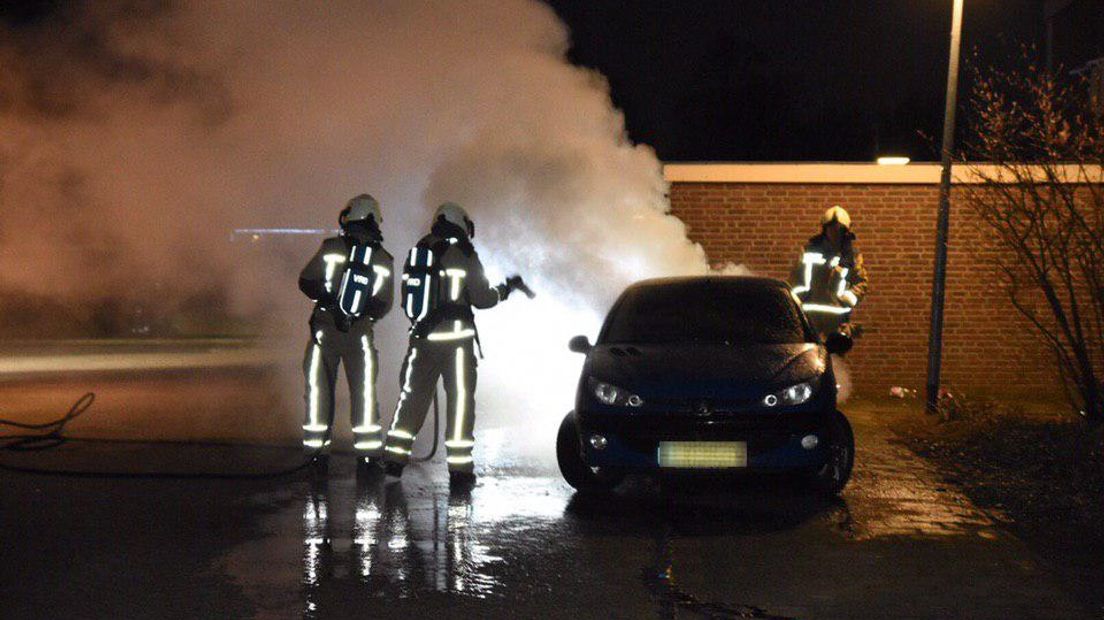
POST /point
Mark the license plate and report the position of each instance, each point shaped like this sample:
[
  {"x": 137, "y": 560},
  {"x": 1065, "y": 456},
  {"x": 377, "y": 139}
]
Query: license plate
[{"x": 702, "y": 454}]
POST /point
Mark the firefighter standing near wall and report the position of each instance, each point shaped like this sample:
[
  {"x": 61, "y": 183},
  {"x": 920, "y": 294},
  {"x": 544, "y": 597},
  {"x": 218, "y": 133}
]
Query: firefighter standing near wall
[
  {"x": 830, "y": 279},
  {"x": 443, "y": 280},
  {"x": 350, "y": 280}
]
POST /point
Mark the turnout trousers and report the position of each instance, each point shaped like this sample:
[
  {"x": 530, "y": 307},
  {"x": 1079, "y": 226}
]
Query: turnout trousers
[
  {"x": 427, "y": 361},
  {"x": 328, "y": 349}
]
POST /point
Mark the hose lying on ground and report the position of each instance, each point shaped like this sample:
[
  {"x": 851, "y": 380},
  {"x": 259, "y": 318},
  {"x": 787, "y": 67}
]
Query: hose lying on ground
[{"x": 51, "y": 437}]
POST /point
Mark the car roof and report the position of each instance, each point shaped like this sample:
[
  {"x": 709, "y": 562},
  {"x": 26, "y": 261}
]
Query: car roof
[
  {"x": 750, "y": 283},
  {"x": 739, "y": 285}
]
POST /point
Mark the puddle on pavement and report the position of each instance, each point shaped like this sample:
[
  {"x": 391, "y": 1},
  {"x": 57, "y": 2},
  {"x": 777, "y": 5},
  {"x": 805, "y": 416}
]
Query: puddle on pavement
[
  {"x": 345, "y": 541},
  {"x": 395, "y": 540},
  {"x": 395, "y": 548}
]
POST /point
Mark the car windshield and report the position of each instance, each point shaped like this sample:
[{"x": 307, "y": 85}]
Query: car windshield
[{"x": 732, "y": 311}]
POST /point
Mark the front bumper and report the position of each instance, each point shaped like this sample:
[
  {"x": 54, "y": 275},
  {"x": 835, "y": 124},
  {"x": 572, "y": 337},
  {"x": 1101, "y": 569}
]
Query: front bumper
[{"x": 773, "y": 440}]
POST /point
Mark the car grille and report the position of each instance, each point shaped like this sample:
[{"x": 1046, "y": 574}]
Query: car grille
[
  {"x": 643, "y": 432},
  {"x": 704, "y": 406}
]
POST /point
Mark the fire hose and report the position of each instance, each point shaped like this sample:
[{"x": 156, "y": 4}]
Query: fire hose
[
  {"x": 52, "y": 437},
  {"x": 515, "y": 282}
]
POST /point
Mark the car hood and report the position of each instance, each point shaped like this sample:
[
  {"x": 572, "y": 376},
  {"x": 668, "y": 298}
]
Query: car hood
[{"x": 706, "y": 371}]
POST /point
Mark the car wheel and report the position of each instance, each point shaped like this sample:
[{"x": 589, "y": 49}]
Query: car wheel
[
  {"x": 831, "y": 477},
  {"x": 576, "y": 472}
]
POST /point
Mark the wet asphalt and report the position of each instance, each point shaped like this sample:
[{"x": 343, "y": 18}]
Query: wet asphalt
[{"x": 900, "y": 543}]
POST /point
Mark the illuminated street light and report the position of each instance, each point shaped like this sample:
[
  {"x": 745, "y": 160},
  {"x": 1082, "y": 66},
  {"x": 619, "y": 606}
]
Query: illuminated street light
[
  {"x": 939, "y": 278},
  {"x": 893, "y": 160}
]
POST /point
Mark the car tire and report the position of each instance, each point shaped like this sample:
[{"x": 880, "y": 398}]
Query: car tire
[
  {"x": 569, "y": 456},
  {"x": 831, "y": 477}
]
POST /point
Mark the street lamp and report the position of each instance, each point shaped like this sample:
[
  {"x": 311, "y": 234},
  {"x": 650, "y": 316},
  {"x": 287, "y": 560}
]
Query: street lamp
[
  {"x": 939, "y": 279},
  {"x": 893, "y": 160}
]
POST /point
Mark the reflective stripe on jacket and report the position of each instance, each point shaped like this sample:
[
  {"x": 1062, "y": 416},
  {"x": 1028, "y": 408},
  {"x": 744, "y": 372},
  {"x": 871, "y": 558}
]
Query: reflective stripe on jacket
[{"x": 828, "y": 280}]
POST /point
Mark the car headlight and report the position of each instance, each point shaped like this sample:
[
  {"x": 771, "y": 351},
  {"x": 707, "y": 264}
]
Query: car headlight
[
  {"x": 609, "y": 394},
  {"x": 793, "y": 395}
]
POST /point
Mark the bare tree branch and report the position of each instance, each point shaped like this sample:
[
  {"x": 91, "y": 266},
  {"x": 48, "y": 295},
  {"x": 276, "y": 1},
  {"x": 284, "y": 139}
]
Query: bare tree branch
[{"x": 1040, "y": 199}]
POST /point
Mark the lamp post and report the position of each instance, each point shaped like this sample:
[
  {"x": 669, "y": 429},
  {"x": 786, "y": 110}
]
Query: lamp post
[{"x": 939, "y": 278}]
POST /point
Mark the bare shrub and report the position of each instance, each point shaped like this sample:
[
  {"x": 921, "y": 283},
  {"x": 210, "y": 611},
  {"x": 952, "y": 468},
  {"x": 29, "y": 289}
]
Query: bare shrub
[{"x": 1040, "y": 193}]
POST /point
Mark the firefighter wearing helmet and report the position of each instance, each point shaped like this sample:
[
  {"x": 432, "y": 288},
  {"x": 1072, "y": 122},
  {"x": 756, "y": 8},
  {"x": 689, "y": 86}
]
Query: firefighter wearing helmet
[
  {"x": 442, "y": 281},
  {"x": 830, "y": 279},
  {"x": 350, "y": 282}
]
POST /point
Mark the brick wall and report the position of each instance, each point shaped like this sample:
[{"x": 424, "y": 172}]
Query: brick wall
[{"x": 988, "y": 349}]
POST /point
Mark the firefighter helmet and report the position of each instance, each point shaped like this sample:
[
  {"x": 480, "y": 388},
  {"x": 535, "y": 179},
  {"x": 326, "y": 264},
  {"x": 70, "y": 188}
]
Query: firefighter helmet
[
  {"x": 361, "y": 208},
  {"x": 456, "y": 215},
  {"x": 836, "y": 214}
]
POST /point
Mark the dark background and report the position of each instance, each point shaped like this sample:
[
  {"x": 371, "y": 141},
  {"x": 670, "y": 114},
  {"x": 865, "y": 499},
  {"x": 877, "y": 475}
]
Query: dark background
[
  {"x": 785, "y": 79},
  {"x": 803, "y": 79}
]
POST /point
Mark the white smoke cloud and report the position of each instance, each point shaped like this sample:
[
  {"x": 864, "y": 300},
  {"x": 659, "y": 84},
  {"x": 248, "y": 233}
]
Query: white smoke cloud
[{"x": 212, "y": 115}]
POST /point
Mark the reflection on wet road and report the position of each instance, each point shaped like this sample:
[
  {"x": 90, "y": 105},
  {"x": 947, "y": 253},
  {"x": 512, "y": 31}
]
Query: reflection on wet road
[
  {"x": 520, "y": 544},
  {"x": 445, "y": 554},
  {"x": 370, "y": 533},
  {"x": 900, "y": 543}
]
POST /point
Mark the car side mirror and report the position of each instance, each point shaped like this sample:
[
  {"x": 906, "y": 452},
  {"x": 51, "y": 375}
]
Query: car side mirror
[
  {"x": 838, "y": 343},
  {"x": 580, "y": 344}
]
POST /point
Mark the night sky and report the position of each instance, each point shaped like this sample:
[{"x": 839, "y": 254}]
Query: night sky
[
  {"x": 788, "y": 79},
  {"x": 762, "y": 80}
]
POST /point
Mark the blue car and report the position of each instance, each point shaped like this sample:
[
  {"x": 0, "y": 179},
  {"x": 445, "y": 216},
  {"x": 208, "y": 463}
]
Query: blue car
[{"x": 704, "y": 375}]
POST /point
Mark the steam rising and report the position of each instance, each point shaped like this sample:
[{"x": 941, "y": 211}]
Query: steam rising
[{"x": 135, "y": 137}]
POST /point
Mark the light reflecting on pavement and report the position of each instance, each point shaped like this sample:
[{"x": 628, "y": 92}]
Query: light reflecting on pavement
[
  {"x": 398, "y": 539},
  {"x": 364, "y": 532},
  {"x": 901, "y": 495}
]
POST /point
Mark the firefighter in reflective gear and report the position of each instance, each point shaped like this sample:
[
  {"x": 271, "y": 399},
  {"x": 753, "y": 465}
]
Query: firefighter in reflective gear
[
  {"x": 830, "y": 278},
  {"x": 443, "y": 280},
  {"x": 351, "y": 283}
]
